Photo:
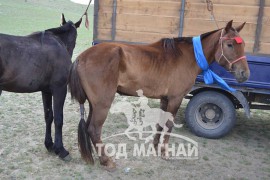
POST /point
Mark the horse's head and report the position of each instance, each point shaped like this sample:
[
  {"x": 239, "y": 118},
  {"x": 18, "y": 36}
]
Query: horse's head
[
  {"x": 67, "y": 32},
  {"x": 230, "y": 52}
]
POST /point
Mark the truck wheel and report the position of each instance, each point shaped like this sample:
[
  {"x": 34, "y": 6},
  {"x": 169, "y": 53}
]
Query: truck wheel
[{"x": 210, "y": 114}]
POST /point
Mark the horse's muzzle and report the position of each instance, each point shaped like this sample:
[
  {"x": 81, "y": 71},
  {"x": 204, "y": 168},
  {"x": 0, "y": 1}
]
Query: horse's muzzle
[{"x": 242, "y": 75}]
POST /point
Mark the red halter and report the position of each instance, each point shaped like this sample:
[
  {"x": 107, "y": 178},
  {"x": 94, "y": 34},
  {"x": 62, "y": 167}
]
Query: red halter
[{"x": 238, "y": 40}]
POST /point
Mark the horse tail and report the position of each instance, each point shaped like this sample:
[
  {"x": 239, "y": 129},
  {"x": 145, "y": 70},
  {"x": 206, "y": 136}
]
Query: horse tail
[
  {"x": 84, "y": 142},
  {"x": 78, "y": 93},
  {"x": 74, "y": 84}
]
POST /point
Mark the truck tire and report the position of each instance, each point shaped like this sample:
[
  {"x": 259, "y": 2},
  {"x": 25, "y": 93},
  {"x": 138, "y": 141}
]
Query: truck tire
[{"x": 210, "y": 114}]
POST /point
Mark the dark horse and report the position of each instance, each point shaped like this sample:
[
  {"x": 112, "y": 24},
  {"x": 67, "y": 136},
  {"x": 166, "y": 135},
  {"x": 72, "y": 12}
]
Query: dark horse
[
  {"x": 41, "y": 62},
  {"x": 164, "y": 70}
]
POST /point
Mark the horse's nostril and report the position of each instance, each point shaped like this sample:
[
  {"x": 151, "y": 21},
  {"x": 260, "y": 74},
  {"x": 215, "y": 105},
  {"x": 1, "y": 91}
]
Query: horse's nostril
[{"x": 243, "y": 73}]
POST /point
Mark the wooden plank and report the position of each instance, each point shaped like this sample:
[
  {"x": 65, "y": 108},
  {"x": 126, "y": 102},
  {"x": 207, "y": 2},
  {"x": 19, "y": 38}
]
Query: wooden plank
[
  {"x": 105, "y": 20},
  {"x": 156, "y": 1},
  {"x": 166, "y": 24},
  {"x": 265, "y": 34},
  {"x": 103, "y": 3},
  {"x": 232, "y": 2},
  {"x": 266, "y": 12},
  {"x": 264, "y": 48},
  {"x": 103, "y": 34},
  {"x": 267, "y": 3},
  {"x": 236, "y": 10},
  {"x": 144, "y": 23},
  {"x": 192, "y": 10},
  {"x": 146, "y": 8},
  {"x": 229, "y": 2},
  {"x": 220, "y": 17},
  {"x": 249, "y": 47},
  {"x": 143, "y": 37},
  {"x": 197, "y": 26},
  {"x": 149, "y": 23},
  {"x": 149, "y": 8}
]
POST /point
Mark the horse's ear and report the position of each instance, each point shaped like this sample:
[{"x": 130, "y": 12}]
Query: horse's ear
[
  {"x": 239, "y": 28},
  {"x": 228, "y": 26},
  {"x": 77, "y": 24},
  {"x": 63, "y": 19}
]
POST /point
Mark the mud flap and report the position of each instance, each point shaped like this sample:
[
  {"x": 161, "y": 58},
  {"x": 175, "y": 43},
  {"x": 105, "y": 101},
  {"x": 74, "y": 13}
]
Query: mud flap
[
  {"x": 237, "y": 94},
  {"x": 243, "y": 101}
]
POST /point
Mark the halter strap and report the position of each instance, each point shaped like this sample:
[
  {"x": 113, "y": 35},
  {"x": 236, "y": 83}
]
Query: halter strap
[
  {"x": 238, "y": 40},
  {"x": 239, "y": 59}
]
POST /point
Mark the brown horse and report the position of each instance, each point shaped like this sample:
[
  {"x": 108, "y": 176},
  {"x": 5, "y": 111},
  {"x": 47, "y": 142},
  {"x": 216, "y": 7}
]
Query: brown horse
[{"x": 164, "y": 70}]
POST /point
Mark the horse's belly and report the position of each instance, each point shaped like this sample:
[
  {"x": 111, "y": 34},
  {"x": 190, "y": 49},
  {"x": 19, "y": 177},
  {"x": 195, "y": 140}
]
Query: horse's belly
[
  {"x": 152, "y": 88},
  {"x": 21, "y": 85}
]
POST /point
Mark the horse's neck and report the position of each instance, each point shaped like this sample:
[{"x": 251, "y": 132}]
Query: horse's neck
[{"x": 209, "y": 45}]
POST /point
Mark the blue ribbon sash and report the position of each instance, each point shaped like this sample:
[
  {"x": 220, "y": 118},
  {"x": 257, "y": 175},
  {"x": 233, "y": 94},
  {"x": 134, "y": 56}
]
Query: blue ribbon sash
[{"x": 208, "y": 75}]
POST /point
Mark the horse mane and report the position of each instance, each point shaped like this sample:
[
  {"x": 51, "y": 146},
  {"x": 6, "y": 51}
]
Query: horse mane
[
  {"x": 57, "y": 33},
  {"x": 61, "y": 29},
  {"x": 170, "y": 44},
  {"x": 40, "y": 35}
]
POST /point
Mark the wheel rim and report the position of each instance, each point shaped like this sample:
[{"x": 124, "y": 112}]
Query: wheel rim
[{"x": 209, "y": 116}]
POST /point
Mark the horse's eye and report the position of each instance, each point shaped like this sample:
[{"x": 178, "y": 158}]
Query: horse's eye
[{"x": 230, "y": 45}]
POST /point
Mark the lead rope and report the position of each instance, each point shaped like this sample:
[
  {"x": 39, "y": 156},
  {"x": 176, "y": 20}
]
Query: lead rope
[
  {"x": 210, "y": 8},
  {"x": 86, "y": 15}
]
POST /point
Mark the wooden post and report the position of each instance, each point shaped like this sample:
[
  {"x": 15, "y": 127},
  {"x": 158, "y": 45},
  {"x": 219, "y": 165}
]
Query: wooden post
[
  {"x": 182, "y": 14},
  {"x": 114, "y": 20},
  {"x": 256, "y": 46}
]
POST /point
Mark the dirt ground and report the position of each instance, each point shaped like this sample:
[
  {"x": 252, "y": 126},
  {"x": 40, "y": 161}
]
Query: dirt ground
[{"x": 243, "y": 154}]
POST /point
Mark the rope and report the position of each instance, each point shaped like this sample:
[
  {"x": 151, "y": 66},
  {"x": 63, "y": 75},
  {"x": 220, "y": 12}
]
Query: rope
[
  {"x": 210, "y": 8},
  {"x": 85, "y": 13}
]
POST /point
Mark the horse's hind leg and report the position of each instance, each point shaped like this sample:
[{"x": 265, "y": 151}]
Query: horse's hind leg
[
  {"x": 99, "y": 115},
  {"x": 48, "y": 113},
  {"x": 59, "y": 96}
]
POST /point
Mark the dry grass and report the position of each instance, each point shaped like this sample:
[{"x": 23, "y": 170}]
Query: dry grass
[{"x": 243, "y": 154}]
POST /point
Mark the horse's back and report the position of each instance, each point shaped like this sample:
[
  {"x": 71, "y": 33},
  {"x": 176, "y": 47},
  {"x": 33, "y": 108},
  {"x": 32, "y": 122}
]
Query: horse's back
[{"x": 28, "y": 63}]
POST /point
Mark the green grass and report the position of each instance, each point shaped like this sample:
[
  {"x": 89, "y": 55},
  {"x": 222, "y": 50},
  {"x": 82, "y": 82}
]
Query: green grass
[{"x": 18, "y": 17}]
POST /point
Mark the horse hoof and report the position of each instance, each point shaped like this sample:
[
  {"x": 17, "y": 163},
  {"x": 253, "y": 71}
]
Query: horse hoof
[
  {"x": 165, "y": 157},
  {"x": 111, "y": 166},
  {"x": 64, "y": 155},
  {"x": 67, "y": 158}
]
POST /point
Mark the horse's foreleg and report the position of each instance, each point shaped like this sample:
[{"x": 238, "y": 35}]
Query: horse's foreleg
[
  {"x": 48, "y": 113},
  {"x": 173, "y": 105},
  {"x": 163, "y": 106},
  {"x": 59, "y": 96}
]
